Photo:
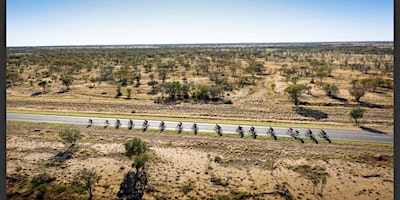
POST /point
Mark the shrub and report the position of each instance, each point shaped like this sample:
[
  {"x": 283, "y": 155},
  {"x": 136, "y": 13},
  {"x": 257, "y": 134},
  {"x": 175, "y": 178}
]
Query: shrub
[
  {"x": 186, "y": 188},
  {"x": 70, "y": 135},
  {"x": 294, "y": 91},
  {"x": 330, "y": 89},
  {"x": 139, "y": 161},
  {"x": 87, "y": 179},
  {"x": 228, "y": 101},
  {"x": 358, "y": 89},
  {"x": 217, "y": 159},
  {"x": 356, "y": 113},
  {"x": 135, "y": 147},
  {"x": 41, "y": 179}
]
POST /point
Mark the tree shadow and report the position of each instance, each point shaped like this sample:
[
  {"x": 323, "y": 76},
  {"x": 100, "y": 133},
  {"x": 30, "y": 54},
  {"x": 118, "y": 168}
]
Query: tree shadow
[
  {"x": 343, "y": 100},
  {"x": 36, "y": 94},
  {"x": 308, "y": 112},
  {"x": 370, "y": 105},
  {"x": 372, "y": 130},
  {"x": 133, "y": 186},
  {"x": 64, "y": 155}
]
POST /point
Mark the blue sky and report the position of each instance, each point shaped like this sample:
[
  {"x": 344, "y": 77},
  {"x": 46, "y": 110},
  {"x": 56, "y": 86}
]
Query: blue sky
[{"x": 98, "y": 22}]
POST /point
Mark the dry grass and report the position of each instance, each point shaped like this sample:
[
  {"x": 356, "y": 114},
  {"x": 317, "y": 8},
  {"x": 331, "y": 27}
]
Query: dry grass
[
  {"x": 184, "y": 166},
  {"x": 255, "y": 103}
]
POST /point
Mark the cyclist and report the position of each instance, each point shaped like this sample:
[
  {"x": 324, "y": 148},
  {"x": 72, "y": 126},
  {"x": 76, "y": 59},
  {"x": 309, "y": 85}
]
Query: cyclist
[
  {"x": 145, "y": 125},
  {"x": 195, "y": 128},
  {"x": 162, "y": 126},
  {"x": 272, "y": 133},
  {"x": 117, "y": 123},
  {"x": 239, "y": 130},
  {"x": 130, "y": 124},
  {"x": 218, "y": 129},
  {"x": 179, "y": 127}
]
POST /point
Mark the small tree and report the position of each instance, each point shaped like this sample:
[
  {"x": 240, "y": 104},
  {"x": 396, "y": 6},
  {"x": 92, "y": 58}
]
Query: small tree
[
  {"x": 43, "y": 85},
  {"x": 356, "y": 113},
  {"x": 273, "y": 86},
  {"x": 153, "y": 84},
  {"x": 294, "y": 79},
  {"x": 135, "y": 147},
  {"x": 70, "y": 135},
  {"x": 139, "y": 161},
  {"x": 270, "y": 164},
  {"x": 358, "y": 90},
  {"x": 134, "y": 183},
  {"x": 119, "y": 93},
  {"x": 67, "y": 80},
  {"x": 330, "y": 89},
  {"x": 87, "y": 179},
  {"x": 294, "y": 91},
  {"x": 128, "y": 91},
  {"x": 137, "y": 78}
]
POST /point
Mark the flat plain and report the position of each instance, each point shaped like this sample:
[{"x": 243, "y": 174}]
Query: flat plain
[{"x": 213, "y": 83}]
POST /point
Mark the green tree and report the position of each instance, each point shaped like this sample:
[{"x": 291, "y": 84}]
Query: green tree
[
  {"x": 254, "y": 68},
  {"x": 294, "y": 79},
  {"x": 138, "y": 76},
  {"x": 358, "y": 90},
  {"x": 233, "y": 68},
  {"x": 202, "y": 92},
  {"x": 153, "y": 84},
  {"x": 172, "y": 88},
  {"x": 135, "y": 147},
  {"x": 162, "y": 74},
  {"x": 67, "y": 80},
  {"x": 330, "y": 89},
  {"x": 87, "y": 179},
  {"x": 140, "y": 161},
  {"x": 356, "y": 113},
  {"x": 294, "y": 91},
  {"x": 13, "y": 77},
  {"x": 134, "y": 183},
  {"x": 70, "y": 135}
]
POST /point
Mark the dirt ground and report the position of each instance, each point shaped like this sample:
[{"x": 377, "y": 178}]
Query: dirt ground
[{"x": 199, "y": 167}]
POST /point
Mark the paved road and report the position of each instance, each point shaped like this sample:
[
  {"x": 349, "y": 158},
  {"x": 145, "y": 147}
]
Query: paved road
[{"x": 350, "y": 135}]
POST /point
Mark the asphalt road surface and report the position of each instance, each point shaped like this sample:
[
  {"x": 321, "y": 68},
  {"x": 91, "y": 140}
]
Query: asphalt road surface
[{"x": 369, "y": 135}]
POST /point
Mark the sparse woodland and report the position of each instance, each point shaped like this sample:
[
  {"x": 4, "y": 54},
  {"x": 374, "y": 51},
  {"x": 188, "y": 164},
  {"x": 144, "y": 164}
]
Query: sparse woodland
[
  {"x": 237, "y": 81},
  {"x": 340, "y": 85}
]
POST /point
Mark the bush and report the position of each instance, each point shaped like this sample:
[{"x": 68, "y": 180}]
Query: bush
[
  {"x": 217, "y": 159},
  {"x": 41, "y": 179},
  {"x": 356, "y": 113},
  {"x": 330, "y": 89},
  {"x": 70, "y": 135},
  {"x": 294, "y": 91},
  {"x": 135, "y": 147},
  {"x": 228, "y": 101},
  {"x": 139, "y": 162},
  {"x": 186, "y": 188},
  {"x": 358, "y": 89},
  {"x": 87, "y": 179}
]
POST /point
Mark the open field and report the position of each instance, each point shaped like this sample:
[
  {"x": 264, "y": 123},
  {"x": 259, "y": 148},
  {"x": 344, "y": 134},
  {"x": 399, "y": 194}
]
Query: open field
[
  {"x": 244, "y": 84},
  {"x": 195, "y": 167},
  {"x": 222, "y": 82}
]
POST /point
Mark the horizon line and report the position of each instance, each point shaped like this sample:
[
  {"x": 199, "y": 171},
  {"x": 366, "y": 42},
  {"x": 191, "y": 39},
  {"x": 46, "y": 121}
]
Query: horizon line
[{"x": 211, "y": 43}]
